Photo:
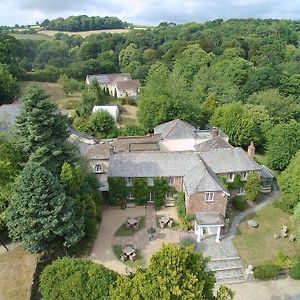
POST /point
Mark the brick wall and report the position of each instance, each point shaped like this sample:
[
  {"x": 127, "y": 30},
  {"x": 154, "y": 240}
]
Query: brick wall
[
  {"x": 178, "y": 184},
  {"x": 196, "y": 203}
]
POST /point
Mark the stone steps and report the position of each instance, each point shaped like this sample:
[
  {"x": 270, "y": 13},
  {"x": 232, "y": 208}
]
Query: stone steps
[{"x": 227, "y": 270}]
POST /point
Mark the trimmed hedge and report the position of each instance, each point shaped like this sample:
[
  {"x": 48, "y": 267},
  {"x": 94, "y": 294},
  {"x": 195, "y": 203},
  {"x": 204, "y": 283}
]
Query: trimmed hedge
[
  {"x": 295, "y": 271},
  {"x": 239, "y": 203},
  {"x": 266, "y": 271},
  {"x": 184, "y": 218}
]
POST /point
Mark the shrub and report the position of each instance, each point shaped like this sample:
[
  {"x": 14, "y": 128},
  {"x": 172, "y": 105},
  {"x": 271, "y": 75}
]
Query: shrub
[
  {"x": 266, "y": 271},
  {"x": 239, "y": 203},
  {"x": 285, "y": 261},
  {"x": 187, "y": 242},
  {"x": 90, "y": 228},
  {"x": 184, "y": 218},
  {"x": 74, "y": 278},
  {"x": 295, "y": 271},
  {"x": 129, "y": 101}
]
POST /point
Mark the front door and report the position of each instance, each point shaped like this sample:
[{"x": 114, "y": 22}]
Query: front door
[{"x": 151, "y": 197}]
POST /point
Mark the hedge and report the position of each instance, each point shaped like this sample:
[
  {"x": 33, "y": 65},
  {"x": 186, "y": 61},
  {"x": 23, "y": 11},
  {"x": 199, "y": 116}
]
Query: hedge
[
  {"x": 239, "y": 203},
  {"x": 266, "y": 271},
  {"x": 184, "y": 218},
  {"x": 295, "y": 271}
]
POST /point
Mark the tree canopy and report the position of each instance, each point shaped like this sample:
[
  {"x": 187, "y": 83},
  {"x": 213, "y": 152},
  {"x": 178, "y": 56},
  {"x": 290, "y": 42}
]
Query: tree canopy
[
  {"x": 40, "y": 215},
  {"x": 42, "y": 132}
]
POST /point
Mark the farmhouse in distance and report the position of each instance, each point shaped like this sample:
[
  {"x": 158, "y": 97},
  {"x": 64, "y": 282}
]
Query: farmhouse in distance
[{"x": 119, "y": 85}]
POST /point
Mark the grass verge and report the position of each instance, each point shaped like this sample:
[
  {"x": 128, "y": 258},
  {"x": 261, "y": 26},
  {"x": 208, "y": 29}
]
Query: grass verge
[
  {"x": 139, "y": 261},
  {"x": 124, "y": 231}
]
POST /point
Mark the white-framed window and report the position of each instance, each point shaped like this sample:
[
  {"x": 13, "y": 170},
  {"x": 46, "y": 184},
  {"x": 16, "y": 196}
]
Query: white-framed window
[
  {"x": 129, "y": 181},
  {"x": 97, "y": 168},
  {"x": 241, "y": 191},
  {"x": 130, "y": 196},
  {"x": 150, "y": 181},
  {"x": 230, "y": 177},
  {"x": 151, "y": 197},
  {"x": 209, "y": 196},
  {"x": 169, "y": 195},
  {"x": 171, "y": 180},
  {"x": 244, "y": 176}
]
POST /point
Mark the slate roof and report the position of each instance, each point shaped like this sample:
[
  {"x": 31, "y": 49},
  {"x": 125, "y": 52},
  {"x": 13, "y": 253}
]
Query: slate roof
[
  {"x": 229, "y": 160},
  {"x": 197, "y": 178},
  {"x": 266, "y": 172},
  {"x": 128, "y": 84},
  {"x": 210, "y": 218},
  {"x": 175, "y": 129},
  {"x": 109, "y": 78},
  {"x": 99, "y": 151},
  {"x": 212, "y": 144}
]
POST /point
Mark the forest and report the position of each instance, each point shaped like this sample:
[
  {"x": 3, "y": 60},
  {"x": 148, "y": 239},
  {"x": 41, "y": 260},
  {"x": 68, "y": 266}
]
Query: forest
[{"x": 83, "y": 23}]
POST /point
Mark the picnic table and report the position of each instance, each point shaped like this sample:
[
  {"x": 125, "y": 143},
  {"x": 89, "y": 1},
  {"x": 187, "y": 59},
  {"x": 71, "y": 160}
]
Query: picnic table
[
  {"x": 132, "y": 222},
  {"x": 128, "y": 253},
  {"x": 163, "y": 221}
]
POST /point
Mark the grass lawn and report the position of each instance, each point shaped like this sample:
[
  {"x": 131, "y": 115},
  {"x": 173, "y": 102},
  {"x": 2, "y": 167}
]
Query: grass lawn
[
  {"x": 33, "y": 36},
  {"x": 16, "y": 271},
  {"x": 257, "y": 245},
  {"x": 139, "y": 261},
  {"x": 56, "y": 93},
  {"x": 128, "y": 115},
  {"x": 124, "y": 231}
]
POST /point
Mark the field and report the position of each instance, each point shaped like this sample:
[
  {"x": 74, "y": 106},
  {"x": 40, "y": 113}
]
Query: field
[
  {"x": 257, "y": 246},
  {"x": 16, "y": 270},
  {"x": 34, "y": 36},
  {"x": 57, "y": 95}
]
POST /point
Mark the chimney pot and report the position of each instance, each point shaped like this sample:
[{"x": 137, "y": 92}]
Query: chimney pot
[
  {"x": 215, "y": 132},
  {"x": 251, "y": 150}
]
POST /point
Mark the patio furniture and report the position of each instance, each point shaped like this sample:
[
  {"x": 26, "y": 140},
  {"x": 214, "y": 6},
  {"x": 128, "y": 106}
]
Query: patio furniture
[
  {"x": 163, "y": 221},
  {"x": 136, "y": 227},
  {"x": 124, "y": 257},
  {"x": 284, "y": 229},
  {"x": 132, "y": 256},
  {"x": 132, "y": 222},
  {"x": 252, "y": 223},
  {"x": 283, "y": 234},
  {"x": 170, "y": 223},
  {"x": 128, "y": 250},
  {"x": 276, "y": 235},
  {"x": 292, "y": 238}
]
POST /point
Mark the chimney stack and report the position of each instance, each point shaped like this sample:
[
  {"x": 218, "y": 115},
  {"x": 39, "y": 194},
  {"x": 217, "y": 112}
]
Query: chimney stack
[
  {"x": 215, "y": 132},
  {"x": 251, "y": 150}
]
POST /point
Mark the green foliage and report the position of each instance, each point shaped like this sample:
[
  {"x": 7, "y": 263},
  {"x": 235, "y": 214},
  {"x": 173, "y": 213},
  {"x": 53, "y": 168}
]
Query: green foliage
[
  {"x": 295, "y": 220},
  {"x": 118, "y": 191},
  {"x": 132, "y": 129},
  {"x": 140, "y": 190},
  {"x": 266, "y": 271},
  {"x": 289, "y": 182},
  {"x": 239, "y": 203},
  {"x": 83, "y": 23},
  {"x": 102, "y": 124},
  {"x": 160, "y": 188},
  {"x": 70, "y": 85},
  {"x": 283, "y": 142},
  {"x": 284, "y": 261},
  {"x": 174, "y": 273},
  {"x": 40, "y": 215},
  {"x": 253, "y": 186},
  {"x": 42, "y": 133},
  {"x": 295, "y": 271},
  {"x": 8, "y": 86},
  {"x": 10, "y": 167},
  {"x": 184, "y": 218},
  {"x": 74, "y": 278},
  {"x": 225, "y": 293},
  {"x": 242, "y": 123}
]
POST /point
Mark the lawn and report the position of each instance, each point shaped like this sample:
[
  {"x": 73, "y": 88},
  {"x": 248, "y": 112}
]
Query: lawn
[
  {"x": 16, "y": 271},
  {"x": 56, "y": 93},
  {"x": 257, "y": 246},
  {"x": 32, "y": 36},
  {"x": 128, "y": 115},
  {"x": 139, "y": 261},
  {"x": 124, "y": 231},
  {"x": 84, "y": 34}
]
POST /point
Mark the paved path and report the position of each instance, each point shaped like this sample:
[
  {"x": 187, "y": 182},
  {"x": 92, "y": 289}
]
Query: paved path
[
  {"x": 280, "y": 289},
  {"x": 268, "y": 200}
]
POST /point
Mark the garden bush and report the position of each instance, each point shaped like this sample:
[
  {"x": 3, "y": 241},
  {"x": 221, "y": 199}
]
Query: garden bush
[
  {"x": 184, "y": 218},
  {"x": 284, "y": 261},
  {"x": 74, "y": 278},
  {"x": 239, "y": 203},
  {"x": 295, "y": 271},
  {"x": 266, "y": 271}
]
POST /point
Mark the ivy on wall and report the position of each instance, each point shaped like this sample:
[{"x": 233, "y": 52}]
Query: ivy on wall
[{"x": 119, "y": 191}]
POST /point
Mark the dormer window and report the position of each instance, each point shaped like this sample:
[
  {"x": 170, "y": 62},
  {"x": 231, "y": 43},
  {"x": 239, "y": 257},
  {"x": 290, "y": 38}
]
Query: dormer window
[
  {"x": 230, "y": 177},
  {"x": 171, "y": 180},
  {"x": 244, "y": 176},
  {"x": 98, "y": 168},
  {"x": 129, "y": 181}
]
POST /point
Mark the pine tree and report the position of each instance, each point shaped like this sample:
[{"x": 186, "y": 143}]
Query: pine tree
[
  {"x": 40, "y": 215},
  {"x": 42, "y": 132}
]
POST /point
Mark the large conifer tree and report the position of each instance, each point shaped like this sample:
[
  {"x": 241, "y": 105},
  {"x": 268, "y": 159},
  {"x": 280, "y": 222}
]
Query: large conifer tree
[
  {"x": 42, "y": 132},
  {"x": 40, "y": 214}
]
